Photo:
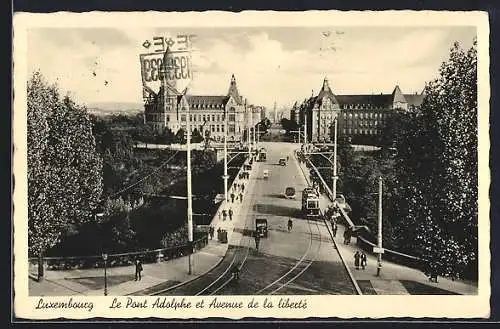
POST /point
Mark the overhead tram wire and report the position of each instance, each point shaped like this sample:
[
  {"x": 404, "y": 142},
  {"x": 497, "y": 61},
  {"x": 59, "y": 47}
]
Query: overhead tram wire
[{"x": 145, "y": 177}]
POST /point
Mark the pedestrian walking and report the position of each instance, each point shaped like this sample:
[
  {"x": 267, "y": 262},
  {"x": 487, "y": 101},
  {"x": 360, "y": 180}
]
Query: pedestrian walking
[
  {"x": 138, "y": 269},
  {"x": 346, "y": 237},
  {"x": 257, "y": 240},
  {"x": 334, "y": 229},
  {"x": 241, "y": 197},
  {"x": 220, "y": 215},
  {"x": 357, "y": 256},
  {"x": 232, "y": 197},
  {"x": 211, "y": 232},
  {"x": 242, "y": 187},
  {"x": 224, "y": 214},
  {"x": 230, "y": 214},
  {"x": 363, "y": 260}
]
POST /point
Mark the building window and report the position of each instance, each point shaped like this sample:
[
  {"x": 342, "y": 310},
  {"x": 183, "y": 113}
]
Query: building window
[
  {"x": 350, "y": 131},
  {"x": 355, "y": 115},
  {"x": 168, "y": 118},
  {"x": 343, "y": 131},
  {"x": 231, "y": 129},
  {"x": 218, "y": 128},
  {"x": 190, "y": 117},
  {"x": 212, "y": 127},
  {"x": 232, "y": 117},
  {"x": 222, "y": 128},
  {"x": 183, "y": 117},
  {"x": 218, "y": 117},
  {"x": 345, "y": 115},
  {"x": 213, "y": 117},
  {"x": 355, "y": 131}
]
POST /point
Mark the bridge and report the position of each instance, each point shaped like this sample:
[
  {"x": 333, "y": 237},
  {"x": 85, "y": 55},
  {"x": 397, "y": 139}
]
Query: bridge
[
  {"x": 309, "y": 259},
  {"x": 303, "y": 261}
]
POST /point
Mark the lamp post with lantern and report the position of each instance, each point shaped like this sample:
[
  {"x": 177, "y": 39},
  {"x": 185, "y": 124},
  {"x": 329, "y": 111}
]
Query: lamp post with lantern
[{"x": 105, "y": 259}]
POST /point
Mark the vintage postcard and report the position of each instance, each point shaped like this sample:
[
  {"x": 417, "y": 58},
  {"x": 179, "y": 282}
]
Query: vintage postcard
[{"x": 289, "y": 165}]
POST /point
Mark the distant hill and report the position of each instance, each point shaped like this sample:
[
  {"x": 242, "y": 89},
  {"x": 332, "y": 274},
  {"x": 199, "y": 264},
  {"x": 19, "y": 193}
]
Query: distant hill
[{"x": 104, "y": 108}]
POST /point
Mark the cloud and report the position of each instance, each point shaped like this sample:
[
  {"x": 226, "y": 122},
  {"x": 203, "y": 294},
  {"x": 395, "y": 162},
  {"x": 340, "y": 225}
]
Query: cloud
[{"x": 267, "y": 68}]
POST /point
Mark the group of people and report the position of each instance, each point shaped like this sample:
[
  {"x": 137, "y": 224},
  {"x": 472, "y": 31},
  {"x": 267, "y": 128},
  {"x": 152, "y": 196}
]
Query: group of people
[
  {"x": 360, "y": 260},
  {"x": 225, "y": 214},
  {"x": 222, "y": 235},
  {"x": 240, "y": 197}
]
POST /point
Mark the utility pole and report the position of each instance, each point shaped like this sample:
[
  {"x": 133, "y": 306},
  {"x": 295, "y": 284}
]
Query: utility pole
[
  {"x": 305, "y": 129},
  {"x": 258, "y": 134},
  {"x": 189, "y": 194},
  {"x": 225, "y": 177},
  {"x": 379, "y": 237},
  {"x": 253, "y": 129},
  {"x": 335, "y": 177},
  {"x": 249, "y": 124}
]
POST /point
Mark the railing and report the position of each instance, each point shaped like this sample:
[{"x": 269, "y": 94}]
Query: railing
[
  {"x": 122, "y": 259},
  {"x": 363, "y": 243}
]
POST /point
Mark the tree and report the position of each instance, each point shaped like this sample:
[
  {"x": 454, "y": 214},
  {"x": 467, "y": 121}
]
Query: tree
[
  {"x": 438, "y": 155},
  {"x": 64, "y": 168},
  {"x": 196, "y": 136},
  {"x": 180, "y": 136}
]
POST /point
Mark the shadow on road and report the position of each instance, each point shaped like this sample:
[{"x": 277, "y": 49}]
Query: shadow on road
[
  {"x": 276, "y": 210},
  {"x": 245, "y": 232},
  {"x": 275, "y": 195}
]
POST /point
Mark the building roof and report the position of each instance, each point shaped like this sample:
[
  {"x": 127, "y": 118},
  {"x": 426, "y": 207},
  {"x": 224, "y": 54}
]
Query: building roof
[
  {"x": 325, "y": 92},
  {"x": 397, "y": 96},
  {"x": 233, "y": 91},
  {"x": 205, "y": 101},
  {"x": 414, "y": 99},
  {"x": 380, "y": 100}
]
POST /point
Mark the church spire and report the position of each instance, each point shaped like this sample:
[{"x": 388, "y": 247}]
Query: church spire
[
  {"x": 233, "y": 90},
  {"x": 326, "y": 86}
]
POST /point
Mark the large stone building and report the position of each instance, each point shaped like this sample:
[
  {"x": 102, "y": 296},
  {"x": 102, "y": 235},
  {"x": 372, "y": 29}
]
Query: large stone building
[
  {"x": 171, "y": 109},
  {"x": 358, "y": 115}
]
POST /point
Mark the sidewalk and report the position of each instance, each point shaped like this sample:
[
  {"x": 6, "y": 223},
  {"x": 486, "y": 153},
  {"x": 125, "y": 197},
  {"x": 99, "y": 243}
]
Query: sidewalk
[
  {"x": 394, "y": 279},
  {"x": 121, "y": 280}
]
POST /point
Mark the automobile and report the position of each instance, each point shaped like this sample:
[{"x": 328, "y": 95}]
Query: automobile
[
  {"x": 261, "y": 227},
  {"x": 282, "y": 162},
  {"x": 265, "y": 174},
  {"x": 290, "y": 193}
]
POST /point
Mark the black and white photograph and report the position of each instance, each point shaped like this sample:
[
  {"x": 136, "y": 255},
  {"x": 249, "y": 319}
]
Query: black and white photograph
[{"x": 191, "y": 165}]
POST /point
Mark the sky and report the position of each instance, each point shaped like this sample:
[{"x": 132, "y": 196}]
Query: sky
[{"x": 276, "y": 64}]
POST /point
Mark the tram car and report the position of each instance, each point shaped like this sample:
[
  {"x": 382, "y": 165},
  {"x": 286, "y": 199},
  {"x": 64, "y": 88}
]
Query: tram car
[{"x": 310, "y": 203}]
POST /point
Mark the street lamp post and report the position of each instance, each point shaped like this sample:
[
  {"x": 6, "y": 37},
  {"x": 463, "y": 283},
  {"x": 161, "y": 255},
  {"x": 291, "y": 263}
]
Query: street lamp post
[
  {"x": 249, "y": 124},
  {"x": 225, "y": 177},
  {"x": 105, "y": 259},
  {"x": 379, "y": 237},
  {"x": 305, "y": 129},
  {"x": 189, "y": 194},
  {"x": 335, "y": 177}
]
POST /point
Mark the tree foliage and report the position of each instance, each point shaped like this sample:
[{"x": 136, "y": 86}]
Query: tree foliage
[
  {"x": 438, "y": 153},
  {"x": 64, "y": 169}
]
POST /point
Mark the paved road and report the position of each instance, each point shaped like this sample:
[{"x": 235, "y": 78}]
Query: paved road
[{"x": 303, "y": 261}]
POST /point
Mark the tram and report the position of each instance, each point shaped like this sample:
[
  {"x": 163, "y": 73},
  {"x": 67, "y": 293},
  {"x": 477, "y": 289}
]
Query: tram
[{"x": 310, "y": 203}]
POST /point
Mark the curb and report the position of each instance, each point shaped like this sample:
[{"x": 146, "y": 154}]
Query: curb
[
  {"x": 351, "y": 276},
  {"x": 190, "y": 280},
  {"x": 182, "y": 283}
]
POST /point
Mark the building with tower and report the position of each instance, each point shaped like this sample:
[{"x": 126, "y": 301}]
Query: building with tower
[
  {"x": 358, "y": 115},
  {"x": 169, "y": 107}
]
